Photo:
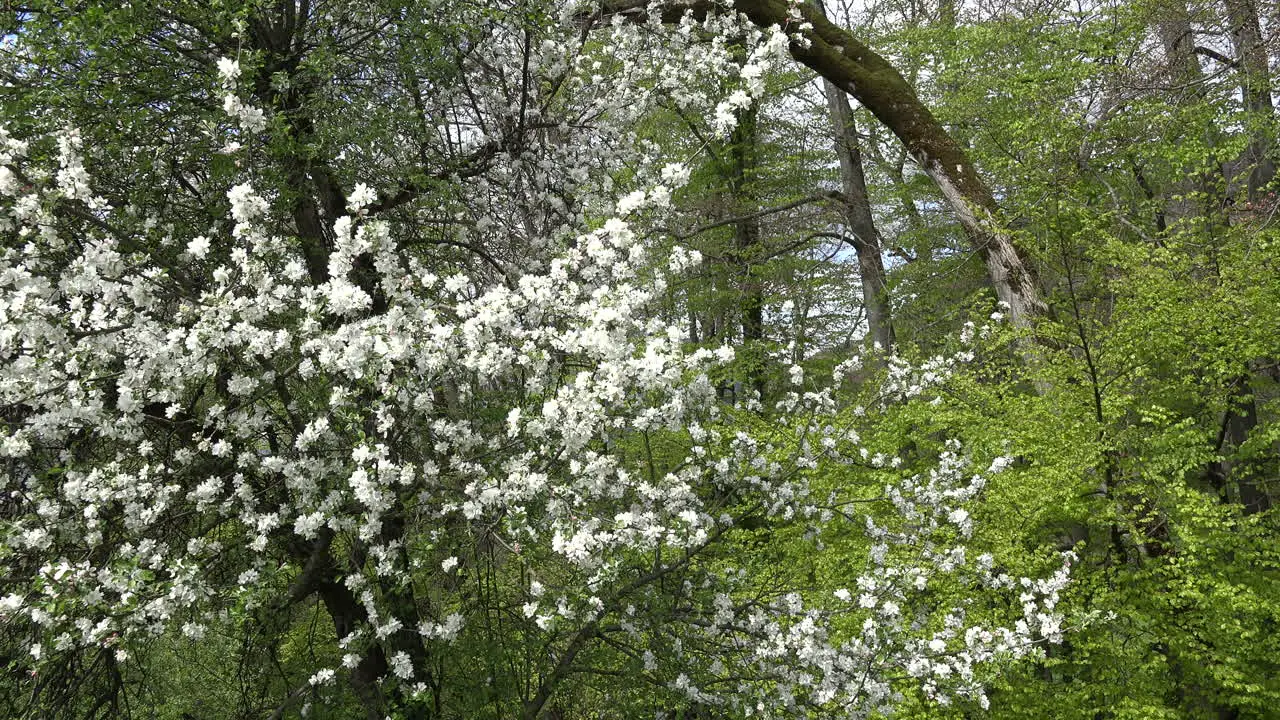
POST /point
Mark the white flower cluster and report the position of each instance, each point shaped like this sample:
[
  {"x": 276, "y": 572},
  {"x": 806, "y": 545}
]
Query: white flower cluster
[
  {"x": 764, "y": 57},
  {"x": 249, "y": 118},
  {"x": 73, "y": 179},
  {"x": 797, "y": 641},
  {"x": 118, "y": 363}
]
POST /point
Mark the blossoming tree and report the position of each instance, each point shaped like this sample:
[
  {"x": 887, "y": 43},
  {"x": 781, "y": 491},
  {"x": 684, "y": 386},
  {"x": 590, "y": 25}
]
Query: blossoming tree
[{"x": 348, "y": 306}]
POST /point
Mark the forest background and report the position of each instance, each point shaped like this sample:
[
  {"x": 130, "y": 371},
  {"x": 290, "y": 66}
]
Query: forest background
[{"x": 371, "y": 357}]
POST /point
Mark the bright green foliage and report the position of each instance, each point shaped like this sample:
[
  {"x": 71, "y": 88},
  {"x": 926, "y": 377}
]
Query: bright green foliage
[{"x": 1145, "y": 410}]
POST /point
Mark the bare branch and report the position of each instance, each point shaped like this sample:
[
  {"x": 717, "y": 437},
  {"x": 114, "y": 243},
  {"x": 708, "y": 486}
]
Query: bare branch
[{"x": 829, "y": 195}]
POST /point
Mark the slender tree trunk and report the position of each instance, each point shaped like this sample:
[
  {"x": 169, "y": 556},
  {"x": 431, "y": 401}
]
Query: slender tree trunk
[
  {"x": 743, "y": 153},
  {"x": 1255, "y": 87},
  {"x": 858, "y": 219}
]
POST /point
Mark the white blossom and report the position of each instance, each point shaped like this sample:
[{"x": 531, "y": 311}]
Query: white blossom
[
  {"x": 198, "y": 247},
  {"x": 228, "y": 70}
]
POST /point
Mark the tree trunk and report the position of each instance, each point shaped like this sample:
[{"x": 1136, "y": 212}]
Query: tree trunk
[
  {"x": 1241, "y": 418},
  {"x": 348, "y": 615},
  {"x": 1237, "y": 480},
  {"x": 858, "y": 219},
  {"x": 1193, "y": 196},
  {"x": 855, "y": 68},
  {"x": 743, "y": 154},
  {"x": 1255, "y": 88}
]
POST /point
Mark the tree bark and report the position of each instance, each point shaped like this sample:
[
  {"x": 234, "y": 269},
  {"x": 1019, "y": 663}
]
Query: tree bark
[
  {"x": 348, "y": 615},
  {"x": 743, "y": 156},
  {"x": 1191, "y": 195},
  {"x": 1255, "y": 87},
  {"x": 858, "y": 70},
  {"x": 858, "y": 219},
  {"x": 1241, "y": 418}
]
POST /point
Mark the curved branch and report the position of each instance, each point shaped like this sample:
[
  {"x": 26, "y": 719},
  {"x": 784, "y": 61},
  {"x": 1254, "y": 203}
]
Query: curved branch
[{"x": 873, "y": 81}]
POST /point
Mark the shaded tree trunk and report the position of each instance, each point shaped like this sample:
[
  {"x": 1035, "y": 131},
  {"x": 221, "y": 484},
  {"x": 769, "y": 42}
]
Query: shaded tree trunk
[
  {"x": 1255, "y": 87},
  {"x": 743, "y": 154},
  {"x": 1192, "y": 194},
  {"x": 858, "y": 219},
  {"x": 1240, "y": 480},
  {"x": 1185, "y": 76}
]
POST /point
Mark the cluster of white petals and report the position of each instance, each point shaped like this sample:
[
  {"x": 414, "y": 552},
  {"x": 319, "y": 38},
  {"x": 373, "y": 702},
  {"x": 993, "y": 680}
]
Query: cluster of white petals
[{"x": 250, "y": 119}]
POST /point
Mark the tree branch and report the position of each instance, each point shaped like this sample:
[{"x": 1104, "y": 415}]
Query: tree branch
[
  {"x": 1215, "y": 55},
  {"x": 470, "y": 166},
  {"x": 816, "y": 197},
  {"x": 562, "y": 669}
]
